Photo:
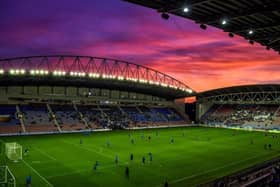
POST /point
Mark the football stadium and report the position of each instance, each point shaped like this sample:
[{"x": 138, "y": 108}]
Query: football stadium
[{"x": 84, "y": 121}]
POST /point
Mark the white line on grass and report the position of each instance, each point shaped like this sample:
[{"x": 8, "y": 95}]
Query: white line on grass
[
  {"x": 68, "y": 173},
  {"x": 85, "y": 170},
  {"x": 35, "y": 171},
  {"x": 46, "y": 154},
  {"x": 211, "y": 170},
  {"x": 90, "y": 150}
]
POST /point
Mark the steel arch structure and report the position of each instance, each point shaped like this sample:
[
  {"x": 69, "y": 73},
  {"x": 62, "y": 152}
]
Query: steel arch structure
[
  {"x": 90, "y": 68},
  {"x": 245, "y": 94}
]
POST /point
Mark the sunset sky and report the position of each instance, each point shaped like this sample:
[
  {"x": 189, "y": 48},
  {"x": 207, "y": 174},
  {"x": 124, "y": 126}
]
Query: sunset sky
[{"x": 116, "y": 29}]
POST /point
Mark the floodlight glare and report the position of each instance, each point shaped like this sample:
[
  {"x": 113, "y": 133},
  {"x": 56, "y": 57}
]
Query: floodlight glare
[
  {"x": 186, "y": 9},
  {"x": 224, "y": 22},
  {"x": 251, "y": 32}
]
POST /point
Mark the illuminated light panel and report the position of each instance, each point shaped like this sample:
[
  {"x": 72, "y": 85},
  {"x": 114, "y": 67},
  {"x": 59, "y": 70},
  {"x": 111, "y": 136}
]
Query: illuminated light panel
[
  {"x": 17, "y": 71},
  {"x": 164, "y": 85},
  {"x": 94, "y": 75},
  {"x": 59, "y": 73},
  {"x": 105, "y": 76},
  {"x": 143, "y": 81},
  {"x": 39, "y": 72},
  {"x": 151, "y": 82},
  {"x": 120, "y": 78},
  {"x": 131, "y": 79},
  {"x": 77, "y": 74}
]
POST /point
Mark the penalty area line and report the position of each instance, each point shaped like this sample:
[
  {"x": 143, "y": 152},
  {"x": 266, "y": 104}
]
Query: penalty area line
[
  {"x": 35, "y": 171},
  {"x": 46, "y": 154}
]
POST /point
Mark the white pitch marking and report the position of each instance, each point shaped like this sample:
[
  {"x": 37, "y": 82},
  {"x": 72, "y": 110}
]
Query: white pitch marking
[
  {"x": 35, "y": 171},
  {"x": 46, "y": 154},
  {"x": 211, "y": 170}
]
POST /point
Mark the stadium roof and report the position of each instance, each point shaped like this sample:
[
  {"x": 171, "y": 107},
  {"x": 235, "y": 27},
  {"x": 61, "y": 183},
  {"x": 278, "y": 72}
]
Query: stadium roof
[
  {"x": 255, "y": 20},
  {"x": 241, "y": 89},
  {"x": 94, "y": 72}
]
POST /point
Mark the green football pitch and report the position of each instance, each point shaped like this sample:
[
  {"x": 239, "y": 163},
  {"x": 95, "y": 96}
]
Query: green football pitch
[{"x": 197, "y": 155}]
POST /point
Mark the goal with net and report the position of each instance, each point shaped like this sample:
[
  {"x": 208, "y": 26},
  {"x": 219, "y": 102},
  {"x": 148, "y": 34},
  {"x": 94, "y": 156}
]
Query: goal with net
[
  {"x": 13, "y": 151},
  {"x": 7, "y": 179}
]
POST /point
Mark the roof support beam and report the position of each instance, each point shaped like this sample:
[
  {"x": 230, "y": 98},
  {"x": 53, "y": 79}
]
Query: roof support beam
[
  {"x": 266, "y": 37},
  {"x": 242, "y": 13},
  {"x": 237, "y": 29}
]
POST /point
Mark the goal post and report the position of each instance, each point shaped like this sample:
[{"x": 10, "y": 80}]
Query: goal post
[
  {"x": 13, "y": 151},
  {"x": 7, "y": 178}
]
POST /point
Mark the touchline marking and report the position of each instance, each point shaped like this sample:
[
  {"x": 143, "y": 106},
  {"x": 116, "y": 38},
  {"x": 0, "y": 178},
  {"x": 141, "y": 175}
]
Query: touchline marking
[
  {"x": 211, "y": 170},
  {"x": 35, "y": 171},
  {"x": 46, "y": 154}
]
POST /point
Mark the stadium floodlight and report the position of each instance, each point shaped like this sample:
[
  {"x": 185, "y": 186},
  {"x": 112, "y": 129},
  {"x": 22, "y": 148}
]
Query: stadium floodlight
[
  {"x": 17, "y": 71},
  {"x": 94, "y": 75},
  {"x": 39, "y": 72},
  {"x": 250, "y": 32},
  {"x": 186, "y": 9},
  {"x": 224, "y": 22},
  {"x": 12, "y": 71},
  {"x": 79, "y": 74},
  {"x": 189, "y": 90},
  {"x": 163, "y": 85},
  {"x": 59, "y": 73},
  {"x": 2, "y": 71},
  {"x": 120, "y": 78},
  {"x": 143, "y": 81}
]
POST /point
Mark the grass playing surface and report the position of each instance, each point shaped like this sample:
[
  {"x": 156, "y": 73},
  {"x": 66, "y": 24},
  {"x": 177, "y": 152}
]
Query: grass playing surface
[{"x": 197, "y": 155}]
